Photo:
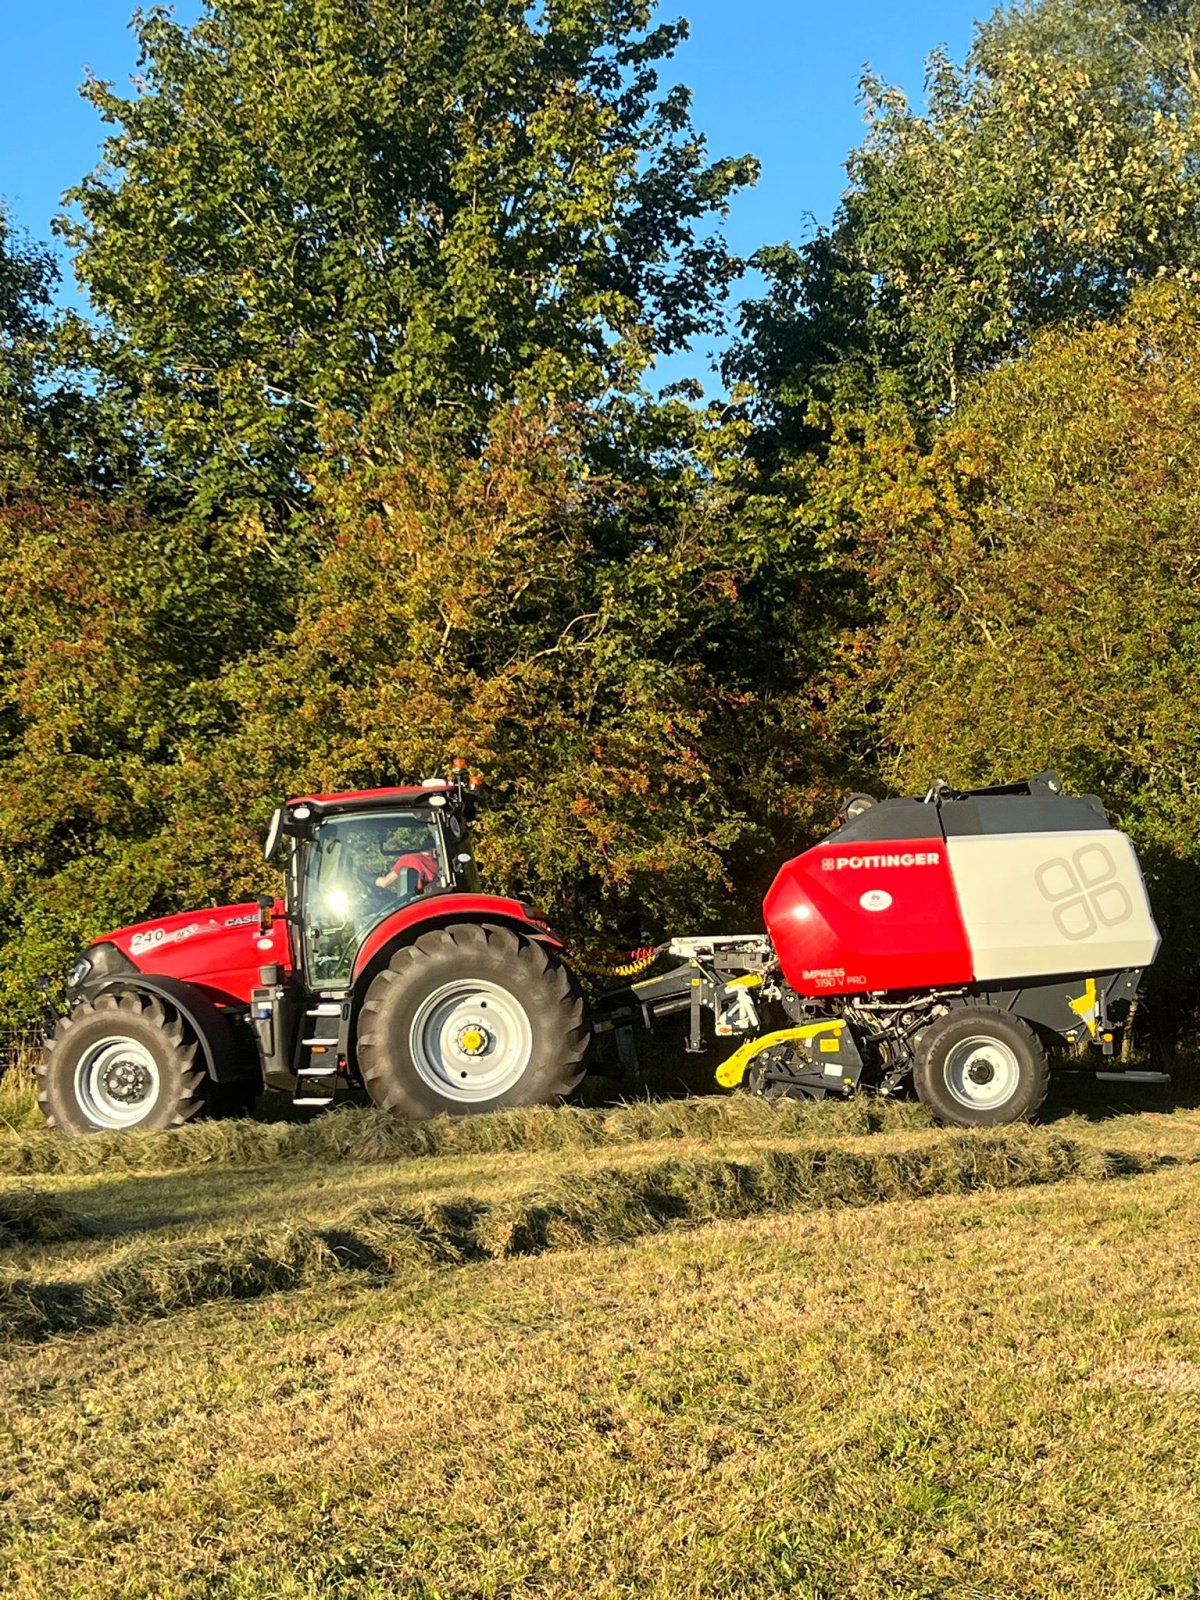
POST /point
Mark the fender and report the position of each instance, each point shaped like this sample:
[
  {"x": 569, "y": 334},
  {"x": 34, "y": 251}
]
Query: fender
[
  {"x": 438, "y": 911},
  {"x": 219, "y": 1046}
]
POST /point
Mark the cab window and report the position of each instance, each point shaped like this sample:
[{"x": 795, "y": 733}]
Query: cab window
[{"x": 358, "y": 870}]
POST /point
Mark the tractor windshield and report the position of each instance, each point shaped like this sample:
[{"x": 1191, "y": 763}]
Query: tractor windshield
[{"x": 359, "y": 869}]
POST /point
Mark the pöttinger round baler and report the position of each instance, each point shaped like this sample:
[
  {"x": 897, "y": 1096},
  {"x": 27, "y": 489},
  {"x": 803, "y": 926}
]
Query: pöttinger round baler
[{"x": 947, "y": 941}]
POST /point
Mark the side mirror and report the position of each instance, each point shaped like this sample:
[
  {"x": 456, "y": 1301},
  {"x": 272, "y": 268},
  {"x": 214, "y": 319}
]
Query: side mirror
[
  {"x": 266, "y": 914},
  {"x": 274, "y": 835},
  {"x": 462, "y": 860}
]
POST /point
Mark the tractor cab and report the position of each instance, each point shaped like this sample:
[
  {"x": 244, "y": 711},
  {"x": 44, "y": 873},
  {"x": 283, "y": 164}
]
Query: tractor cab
[
  {"x": 353, "y": 860},
  {"x": 400, "y": 975}
]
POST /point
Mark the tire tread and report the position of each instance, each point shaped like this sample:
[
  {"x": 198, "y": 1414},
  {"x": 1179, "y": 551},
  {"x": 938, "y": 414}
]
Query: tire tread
[
  {"x": 393, "y": 1083},
  {"x": 190, "y": 1094}
]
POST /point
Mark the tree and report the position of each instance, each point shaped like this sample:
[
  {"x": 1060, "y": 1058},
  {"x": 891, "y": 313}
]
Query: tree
[
  {"x": 438, "y": 205},
  {"x": 113, "y": 625},
  {"x": 615, "y": 668},
  {"x": 28, "y": 276},
  {"x": 58, "y": 431},
  {"x": 1034, "y": 603},
  {"x": 622, "y": 667},
  {"x": 388, "y": 275},
  {"x": 1047, "y": 177}
]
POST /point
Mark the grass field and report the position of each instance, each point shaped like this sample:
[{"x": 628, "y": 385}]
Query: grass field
[{"x": 689, "y": 1349}]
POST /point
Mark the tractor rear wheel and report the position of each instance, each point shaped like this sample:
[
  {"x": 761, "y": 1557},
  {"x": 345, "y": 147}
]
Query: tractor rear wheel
[
  {"x": 471, "y": 1018},
  {"x": 120, "y": 1062},
  {"x": 979, "y": 1067}
]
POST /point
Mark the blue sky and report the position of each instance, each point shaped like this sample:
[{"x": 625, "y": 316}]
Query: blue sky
[{"x": 774, "y": 77}]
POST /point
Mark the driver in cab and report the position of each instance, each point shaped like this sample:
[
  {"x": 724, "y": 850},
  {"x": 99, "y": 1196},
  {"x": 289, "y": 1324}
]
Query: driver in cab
[{"x": 420, "y": 862}]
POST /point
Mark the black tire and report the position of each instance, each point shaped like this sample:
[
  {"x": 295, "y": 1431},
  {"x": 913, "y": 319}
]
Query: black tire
[
  {"x": 978, "y": 1067},
  {"x": 155, "y": 1084},
  {"x": 532, "y": 1042}
]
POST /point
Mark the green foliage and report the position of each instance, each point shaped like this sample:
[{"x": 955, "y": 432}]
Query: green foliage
[
  {"x": 1052, "y": 172},
  {"x": 27, "y": 279},
  {"x": 433, "y": 204},
  {"x": 625, "y": 661},
  {"x": 1033, "y": 587},
  {"x": 605, "y": 654},
  {"x": 111, "y": 626}
]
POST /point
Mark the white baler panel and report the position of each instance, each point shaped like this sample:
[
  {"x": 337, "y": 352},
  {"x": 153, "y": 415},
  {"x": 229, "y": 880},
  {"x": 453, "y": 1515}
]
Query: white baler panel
[{"x": 1037, "y": 904}]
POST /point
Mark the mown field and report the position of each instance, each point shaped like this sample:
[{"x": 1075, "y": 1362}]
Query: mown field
[{"x": 697, "y": 1348}]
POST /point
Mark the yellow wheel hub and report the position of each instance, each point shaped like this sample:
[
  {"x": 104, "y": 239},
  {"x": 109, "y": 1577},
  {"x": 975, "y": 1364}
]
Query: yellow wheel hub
[{"x": 472, "y": 1041}]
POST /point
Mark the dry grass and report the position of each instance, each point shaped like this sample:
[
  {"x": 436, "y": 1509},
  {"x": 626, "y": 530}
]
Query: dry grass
[
  {"x": 355, "y": 1133},
  {"x": 18, "y": 1091},
  {"x": 27, "y": 1217},
  {"x": 673, "y": 1352},
  {"x": 583, "y": 1206},
  {"x": 964, "y": 1396}
]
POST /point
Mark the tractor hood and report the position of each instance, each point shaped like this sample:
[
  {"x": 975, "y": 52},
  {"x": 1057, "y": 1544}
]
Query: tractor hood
[{"x": 219, "y": 950}]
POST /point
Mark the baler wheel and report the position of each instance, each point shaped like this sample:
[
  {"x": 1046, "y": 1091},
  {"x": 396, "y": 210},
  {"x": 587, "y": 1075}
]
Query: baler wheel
[
  {"x": 120, "y": 1062},
  {"x": 980, "y": 1067},
  {"x": 471, "y": 1018}
]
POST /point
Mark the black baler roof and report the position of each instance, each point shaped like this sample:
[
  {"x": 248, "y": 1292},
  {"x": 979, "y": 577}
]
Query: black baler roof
[{"x": 1035, "y": 805}]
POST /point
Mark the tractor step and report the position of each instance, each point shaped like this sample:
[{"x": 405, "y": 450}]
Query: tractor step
[
  {"x": 1134, "y": 1077},
  {"x": 315, "y": 1086},
  {"x": 318, "y": 1055}
]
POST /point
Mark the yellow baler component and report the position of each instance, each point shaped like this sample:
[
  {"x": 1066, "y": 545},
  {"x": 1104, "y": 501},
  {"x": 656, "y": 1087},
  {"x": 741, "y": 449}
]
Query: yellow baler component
[
  {"x": 1086, "y": 1007},
  {"x": 731, "y": 1072}
]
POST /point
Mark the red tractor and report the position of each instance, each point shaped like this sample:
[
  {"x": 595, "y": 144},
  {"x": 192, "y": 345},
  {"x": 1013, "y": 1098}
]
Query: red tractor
[
  {"x": 384, "y": 966},
  {"x": 948, "y": 943}
]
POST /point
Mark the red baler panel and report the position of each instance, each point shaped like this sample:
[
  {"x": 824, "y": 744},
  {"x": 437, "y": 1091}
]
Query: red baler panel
[{"x": 867, "y": 916}]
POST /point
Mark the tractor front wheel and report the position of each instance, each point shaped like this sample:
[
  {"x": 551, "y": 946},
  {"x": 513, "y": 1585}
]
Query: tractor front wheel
[
  {"x": 979, "y": 1067},
  {"x": 120, "y": 1062},
  {"x": 471, "y": 1018}
]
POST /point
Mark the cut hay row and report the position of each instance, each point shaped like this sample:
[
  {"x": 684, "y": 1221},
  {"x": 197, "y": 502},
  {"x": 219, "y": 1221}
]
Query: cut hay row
[
  {"x": 38, "y": 1219},
  {"x": 358, "y": 1133},
  {"x": 604, "y": 1206}
]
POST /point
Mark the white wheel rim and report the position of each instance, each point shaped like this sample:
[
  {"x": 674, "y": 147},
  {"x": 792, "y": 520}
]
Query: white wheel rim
[
  {"x": 471, "y": 1041},
  {"x": 982, "y": 1072},
  {"x": 116, "y": 1082}
]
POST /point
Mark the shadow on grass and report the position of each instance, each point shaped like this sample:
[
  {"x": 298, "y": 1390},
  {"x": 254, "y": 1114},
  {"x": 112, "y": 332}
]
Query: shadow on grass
[{"x": 1075, "y": 1094}]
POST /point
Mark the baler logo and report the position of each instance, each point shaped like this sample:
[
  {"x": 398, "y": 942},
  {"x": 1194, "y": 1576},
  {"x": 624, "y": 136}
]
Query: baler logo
[
  {"x": 875, "y": 900},
  {"x": 1084, "y": 892},
  {"x": 903, "y": 858}
]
